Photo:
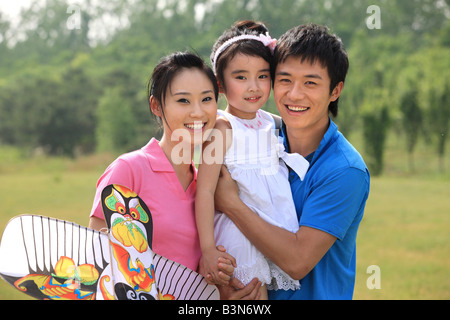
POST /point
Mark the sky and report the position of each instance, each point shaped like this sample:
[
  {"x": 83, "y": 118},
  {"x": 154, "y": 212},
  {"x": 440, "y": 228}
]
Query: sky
[{"x": 12, "y": 7}]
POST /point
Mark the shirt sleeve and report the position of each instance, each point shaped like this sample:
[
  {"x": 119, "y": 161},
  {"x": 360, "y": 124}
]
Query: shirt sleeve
[
  {"x": 336, "y": 202},
  {"x": 119, "y": 172}
]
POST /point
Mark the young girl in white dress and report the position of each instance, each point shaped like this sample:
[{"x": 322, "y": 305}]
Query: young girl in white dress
[{"x": 245, "y": 140}]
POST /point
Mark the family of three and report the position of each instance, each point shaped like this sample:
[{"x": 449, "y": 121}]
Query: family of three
[{"x": 275, "y": 221}]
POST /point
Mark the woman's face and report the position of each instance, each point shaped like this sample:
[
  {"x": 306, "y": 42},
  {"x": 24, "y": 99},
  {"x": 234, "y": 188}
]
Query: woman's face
[{"x": 190, "y": 108}]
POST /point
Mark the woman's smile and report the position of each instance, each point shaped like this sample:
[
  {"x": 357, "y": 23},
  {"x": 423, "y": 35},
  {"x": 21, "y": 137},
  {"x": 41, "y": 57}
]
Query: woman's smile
[{"x": 197, "y": 125}]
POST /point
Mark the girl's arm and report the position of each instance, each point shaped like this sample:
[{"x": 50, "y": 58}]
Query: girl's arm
[{"x": 208, "y": 175}]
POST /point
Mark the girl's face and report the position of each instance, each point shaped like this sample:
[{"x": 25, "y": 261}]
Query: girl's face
[
  {"x": 246, "y": 85},
  {"x": 190, "y": 108}
]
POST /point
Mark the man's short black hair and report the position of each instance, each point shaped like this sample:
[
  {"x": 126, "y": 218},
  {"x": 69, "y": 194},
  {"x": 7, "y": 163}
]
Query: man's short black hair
[{"x": 312, "y": 43}]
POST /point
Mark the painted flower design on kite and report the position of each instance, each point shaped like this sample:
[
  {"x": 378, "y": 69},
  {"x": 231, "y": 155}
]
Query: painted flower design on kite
[
  {"x": 65, "y": 283},
  {"x": 86, "y": 273},
  {"x": 128, "y": 234}
]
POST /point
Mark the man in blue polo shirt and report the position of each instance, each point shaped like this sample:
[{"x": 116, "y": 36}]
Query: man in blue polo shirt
[{"x": 310, "y": 69}]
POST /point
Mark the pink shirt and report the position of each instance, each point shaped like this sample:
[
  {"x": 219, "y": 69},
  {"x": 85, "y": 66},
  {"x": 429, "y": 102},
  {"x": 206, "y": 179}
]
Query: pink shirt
[{"x": 149, "y": 173}]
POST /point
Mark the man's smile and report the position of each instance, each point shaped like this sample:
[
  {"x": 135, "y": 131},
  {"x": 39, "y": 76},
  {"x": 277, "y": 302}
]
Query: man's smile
[{"x": 296, "y": 108}]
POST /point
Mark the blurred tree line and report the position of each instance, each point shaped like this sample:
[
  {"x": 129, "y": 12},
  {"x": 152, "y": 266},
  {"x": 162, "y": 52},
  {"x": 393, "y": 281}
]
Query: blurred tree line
[{"x": 73, "y": 77}]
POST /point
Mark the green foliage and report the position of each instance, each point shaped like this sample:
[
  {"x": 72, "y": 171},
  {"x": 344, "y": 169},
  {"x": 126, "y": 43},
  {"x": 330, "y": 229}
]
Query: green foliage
[
  {"x": 59, "y": 84},
  {"x": 375, "y": 127},
  {"x": 435, "y": 100},
  {"x": 116, "y": 125},
  {"x": 412, "y": 120},
  {"x": 53, "y": 113}
]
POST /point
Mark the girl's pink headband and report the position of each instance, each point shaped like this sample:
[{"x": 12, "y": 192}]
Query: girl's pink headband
[{"x": 264, "y": 38}]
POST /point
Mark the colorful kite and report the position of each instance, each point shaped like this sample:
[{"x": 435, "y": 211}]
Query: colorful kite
[{"x": 48, "y": 258}]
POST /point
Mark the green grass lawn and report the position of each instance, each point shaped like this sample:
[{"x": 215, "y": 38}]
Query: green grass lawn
[
  {"x": 58, "y": 188},
  {"x": 66, "y": 196},
  {"x": 405, "y": 230},
  {"x": 405, "y": 233}
]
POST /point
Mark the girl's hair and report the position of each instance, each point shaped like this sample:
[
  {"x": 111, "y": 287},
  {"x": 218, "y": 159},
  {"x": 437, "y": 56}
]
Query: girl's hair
[
  {"x": 167, "y": 69},
  {"x": 248, "y": 46}
]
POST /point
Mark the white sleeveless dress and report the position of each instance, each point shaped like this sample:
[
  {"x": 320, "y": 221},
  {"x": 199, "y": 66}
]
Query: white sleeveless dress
[{"x": 254, "y": 160}]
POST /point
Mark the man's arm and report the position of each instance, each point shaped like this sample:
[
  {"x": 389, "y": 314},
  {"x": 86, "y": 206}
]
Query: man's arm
[{"x": 295, "y": 253}]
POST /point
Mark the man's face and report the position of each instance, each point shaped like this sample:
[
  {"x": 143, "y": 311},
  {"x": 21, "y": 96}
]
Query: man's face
[{"x": 302, "y": 94}]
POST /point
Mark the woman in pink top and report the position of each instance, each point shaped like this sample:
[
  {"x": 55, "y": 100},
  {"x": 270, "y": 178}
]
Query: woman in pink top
[{"x": 183, "y": 96}]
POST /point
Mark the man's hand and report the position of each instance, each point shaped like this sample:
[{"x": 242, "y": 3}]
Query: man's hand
[
  {"x": 227, "y": 191},
  {"x": 237, "y": 291}
]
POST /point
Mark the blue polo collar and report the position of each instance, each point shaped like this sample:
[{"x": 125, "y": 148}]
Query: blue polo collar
[{"x": 329, "y": 137}]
